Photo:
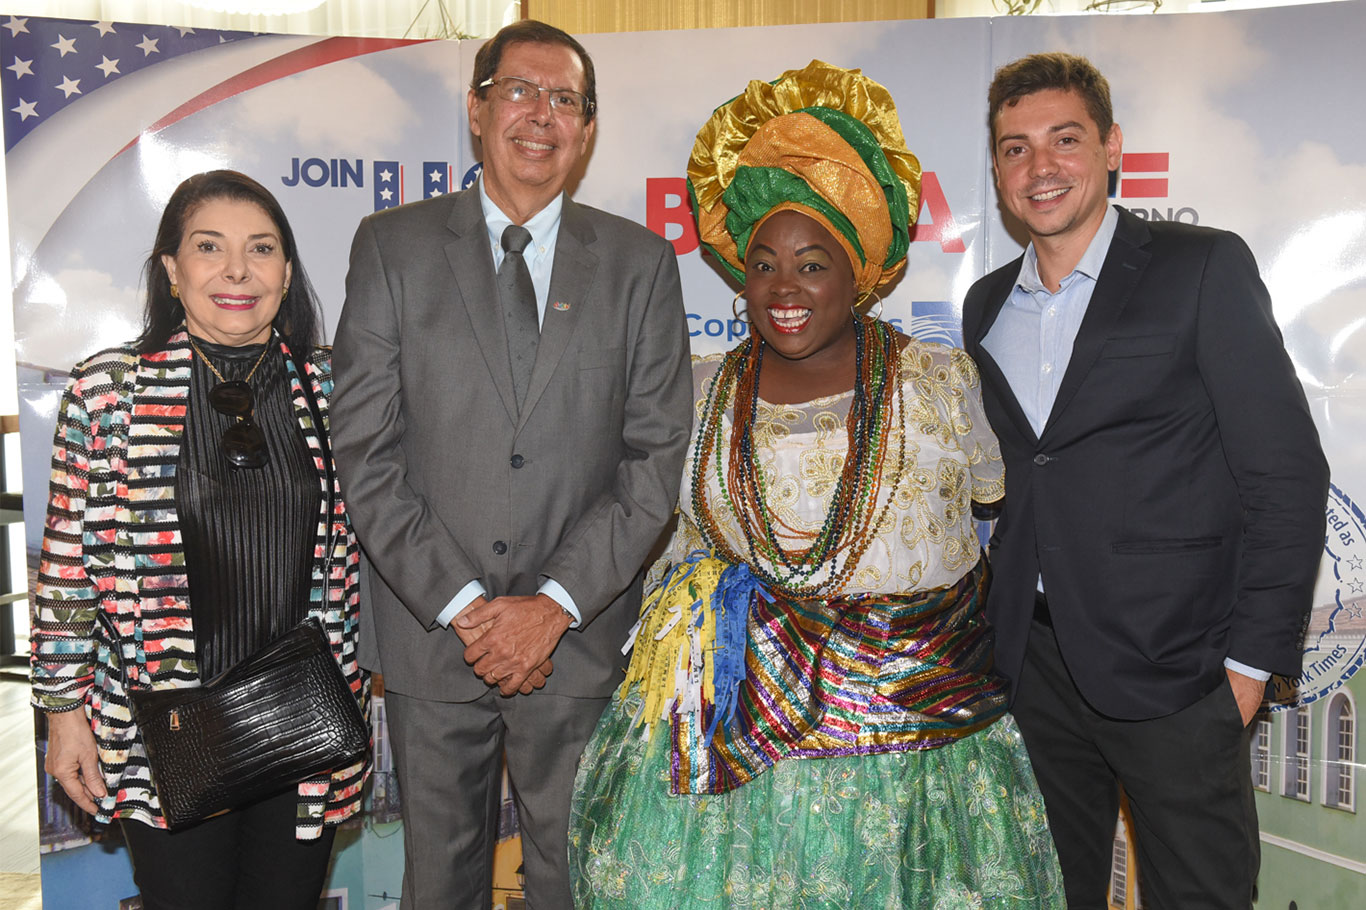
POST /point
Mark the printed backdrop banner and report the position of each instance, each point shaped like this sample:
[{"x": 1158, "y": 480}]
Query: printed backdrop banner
[{"x": 1242, "y": 120}]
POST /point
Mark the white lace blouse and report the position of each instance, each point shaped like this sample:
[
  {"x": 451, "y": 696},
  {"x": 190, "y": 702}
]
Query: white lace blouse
[{"x": 927, "y": 538}]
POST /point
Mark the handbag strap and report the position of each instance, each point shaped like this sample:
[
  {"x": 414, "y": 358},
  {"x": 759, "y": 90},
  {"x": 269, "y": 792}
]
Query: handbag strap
[
  {"x": 320, "y": 432},
  {"x": 115, "y": 644}
]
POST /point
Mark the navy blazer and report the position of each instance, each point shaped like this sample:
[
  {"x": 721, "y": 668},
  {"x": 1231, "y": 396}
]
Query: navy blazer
[{"x": 1174, "y": 502}]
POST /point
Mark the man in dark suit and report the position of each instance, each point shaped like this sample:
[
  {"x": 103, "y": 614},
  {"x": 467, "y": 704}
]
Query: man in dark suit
[
  {"x": 1164, "y": 508},
  {"x": 512, "y": 407}
]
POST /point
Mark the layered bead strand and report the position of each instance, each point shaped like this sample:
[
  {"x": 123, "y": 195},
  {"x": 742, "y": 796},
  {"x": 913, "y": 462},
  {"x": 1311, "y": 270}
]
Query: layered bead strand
[{"x": 852, "y": 519}]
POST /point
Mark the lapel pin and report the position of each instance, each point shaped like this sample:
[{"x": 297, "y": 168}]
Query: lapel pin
[{"x": 561, "y": 306}]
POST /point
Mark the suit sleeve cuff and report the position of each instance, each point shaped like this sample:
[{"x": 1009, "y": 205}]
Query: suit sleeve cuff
[
  {"x": 556, "y": 592},
  {"x": 1244, "y": 669},
  {"x": 462, "y": 599}
]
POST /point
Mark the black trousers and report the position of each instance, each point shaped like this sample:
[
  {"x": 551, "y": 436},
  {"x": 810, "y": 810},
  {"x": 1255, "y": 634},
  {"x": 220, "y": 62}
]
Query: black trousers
[
  {"x": 247, "y": 859},
  {"x": 1187, "y": 776}
]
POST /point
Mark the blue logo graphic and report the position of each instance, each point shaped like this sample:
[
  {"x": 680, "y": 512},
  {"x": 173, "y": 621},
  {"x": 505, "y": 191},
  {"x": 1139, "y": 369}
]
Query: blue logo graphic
[
  {"x": 1335, "y": 640},
  {"x": 471, "y": 175},
  {"x": 934, "y": 320}
]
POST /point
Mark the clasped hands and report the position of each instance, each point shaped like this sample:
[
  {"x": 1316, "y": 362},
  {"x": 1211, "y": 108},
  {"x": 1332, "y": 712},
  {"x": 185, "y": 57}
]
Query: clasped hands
[{"x": 508, "y": 640}]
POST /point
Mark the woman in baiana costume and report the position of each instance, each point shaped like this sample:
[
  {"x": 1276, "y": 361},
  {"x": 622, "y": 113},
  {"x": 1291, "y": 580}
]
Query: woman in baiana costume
[{"x": 810, "y": 718}]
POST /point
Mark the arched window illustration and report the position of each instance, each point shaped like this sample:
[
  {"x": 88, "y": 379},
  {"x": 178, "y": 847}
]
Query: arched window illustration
[
  {"x": 1261, "y": 753},
  {"x": 1340, "y": 753},
  {"x": 1295, "y": 783}
]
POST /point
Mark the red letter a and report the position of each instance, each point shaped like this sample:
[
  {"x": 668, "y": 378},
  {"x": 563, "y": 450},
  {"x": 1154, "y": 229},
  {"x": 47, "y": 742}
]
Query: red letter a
[{"x": 943, "y": 230}]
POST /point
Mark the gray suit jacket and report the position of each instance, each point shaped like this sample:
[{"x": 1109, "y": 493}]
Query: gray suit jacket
[{"x": 447, "y": 483}]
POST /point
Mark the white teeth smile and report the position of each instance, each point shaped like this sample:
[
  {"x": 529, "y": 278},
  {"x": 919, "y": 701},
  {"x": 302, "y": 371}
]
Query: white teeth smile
[
  {"x": 233, "y": 301},
  {"x": 537, "y": 146},
  {"x": 790, "y": 318},
  {"x": 1051, "y": 194}
]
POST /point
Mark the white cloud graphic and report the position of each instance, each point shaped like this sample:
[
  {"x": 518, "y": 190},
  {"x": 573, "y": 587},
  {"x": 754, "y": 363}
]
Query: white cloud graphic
[
  {"x": 344, "y": 106},
  {"x": 74, "y": 305}
]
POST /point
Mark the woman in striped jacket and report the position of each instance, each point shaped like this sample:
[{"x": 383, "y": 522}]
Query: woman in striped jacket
[{"x": 187, "y": 527}]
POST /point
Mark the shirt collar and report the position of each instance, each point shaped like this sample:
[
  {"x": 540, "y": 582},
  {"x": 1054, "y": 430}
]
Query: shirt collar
[
  {"x": 544, "y": 225},
  {"x": 1092, "y": 261}
]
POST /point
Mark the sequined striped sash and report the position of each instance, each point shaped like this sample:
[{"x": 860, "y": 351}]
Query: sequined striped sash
[{"x": 867, "y": 674}]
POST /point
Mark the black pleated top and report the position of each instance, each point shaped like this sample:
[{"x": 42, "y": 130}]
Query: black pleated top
[{"x": 248, "y": 532}]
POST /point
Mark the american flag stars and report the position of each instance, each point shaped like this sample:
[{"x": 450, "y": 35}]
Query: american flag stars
[
  {"x": 70, "y": 59},
  {"x": 438, "y": 177},
  {"x": 388, "y": 190}
]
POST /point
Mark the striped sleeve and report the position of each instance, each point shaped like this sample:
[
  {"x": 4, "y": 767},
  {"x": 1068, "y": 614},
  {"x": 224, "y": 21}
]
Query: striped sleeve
[{"x": 66, "y": 599}]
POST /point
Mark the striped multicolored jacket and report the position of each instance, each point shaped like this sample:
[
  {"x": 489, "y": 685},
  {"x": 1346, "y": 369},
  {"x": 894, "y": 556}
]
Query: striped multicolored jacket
[{"x": 112, "y": 545}]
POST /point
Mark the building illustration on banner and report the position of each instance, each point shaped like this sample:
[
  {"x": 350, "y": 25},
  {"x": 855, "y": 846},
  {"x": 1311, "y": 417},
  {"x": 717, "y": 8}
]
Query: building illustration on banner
[
  {"x": 1304, "y": 755},
  {"x": 98, "y": 131},
  {"x": 1306, "y": 765}
]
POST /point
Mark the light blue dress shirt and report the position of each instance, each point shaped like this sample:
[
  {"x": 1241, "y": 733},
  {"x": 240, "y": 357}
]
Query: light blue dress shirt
[
  {"x": 1032, "y": 338},
  {"x": 540, "y": 261}
]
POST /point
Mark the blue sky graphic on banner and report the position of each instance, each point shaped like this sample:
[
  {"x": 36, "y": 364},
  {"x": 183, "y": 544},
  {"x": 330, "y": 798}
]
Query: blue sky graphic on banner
[
  {"x": 1242, "y": 120},
  {"x": 86, "y": 56}
]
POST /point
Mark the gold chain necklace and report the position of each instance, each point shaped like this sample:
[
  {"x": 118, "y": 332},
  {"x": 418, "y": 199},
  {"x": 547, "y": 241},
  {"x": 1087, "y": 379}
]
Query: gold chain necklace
[{"x": 213, "y": 369}]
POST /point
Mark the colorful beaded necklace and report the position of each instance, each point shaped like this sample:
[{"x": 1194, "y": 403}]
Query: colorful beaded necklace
[{"x": 852, "y": 519}]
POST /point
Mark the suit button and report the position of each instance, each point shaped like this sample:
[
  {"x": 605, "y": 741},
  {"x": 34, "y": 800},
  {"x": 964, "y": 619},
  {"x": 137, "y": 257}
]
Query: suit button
[
  {"x": 1041, "y": 459},
  {"x": 499, "y": 547},
  {"x": 516, "y": 461}
]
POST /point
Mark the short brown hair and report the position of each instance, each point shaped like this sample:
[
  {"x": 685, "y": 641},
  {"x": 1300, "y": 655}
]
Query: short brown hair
[
  {"x": 1038, "y": 72},
  {"x": 530, "y": 31}
]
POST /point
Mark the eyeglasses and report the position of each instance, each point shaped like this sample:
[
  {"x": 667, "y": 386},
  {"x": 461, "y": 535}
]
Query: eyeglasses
[
  {"x": 243, "y": 443},
  {"x": 524, "y": 91}
]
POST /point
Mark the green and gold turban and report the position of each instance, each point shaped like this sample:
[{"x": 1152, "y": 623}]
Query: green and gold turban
[{"x": 823, "y": 141}]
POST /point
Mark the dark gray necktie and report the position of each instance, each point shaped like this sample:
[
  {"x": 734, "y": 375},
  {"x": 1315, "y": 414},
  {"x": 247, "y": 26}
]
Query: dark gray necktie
[{"x": 519, "y": 308}]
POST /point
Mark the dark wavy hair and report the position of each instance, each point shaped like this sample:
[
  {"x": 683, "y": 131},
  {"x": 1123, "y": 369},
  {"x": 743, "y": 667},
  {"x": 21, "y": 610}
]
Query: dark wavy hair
[
  {"x": 1038, "y": 72},
  {"x": 299, "y": 319},
  {"x": 530, "y": 31}
]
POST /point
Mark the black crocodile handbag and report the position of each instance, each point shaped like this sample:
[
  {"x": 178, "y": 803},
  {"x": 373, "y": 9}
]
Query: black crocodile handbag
[{"x": 276, "y": 718}]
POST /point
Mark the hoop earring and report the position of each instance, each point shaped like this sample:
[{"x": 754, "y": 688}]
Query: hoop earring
[
  {"x": 734, "y": 306},
  {"x": 864, "y": 299},
  {"x": 175, "y": 290},
  {"x": 284, "y": 293}
]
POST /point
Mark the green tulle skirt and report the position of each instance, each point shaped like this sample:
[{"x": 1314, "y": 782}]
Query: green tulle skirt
[{"x": 961, "y": 826}]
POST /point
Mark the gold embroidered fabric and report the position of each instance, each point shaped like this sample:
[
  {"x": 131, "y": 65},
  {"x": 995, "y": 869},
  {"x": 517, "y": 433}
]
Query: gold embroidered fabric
[
  {"x": 762, "y": 128},
  {"x": 716, "y": 152},
  {"x": 805, "y": 146}
]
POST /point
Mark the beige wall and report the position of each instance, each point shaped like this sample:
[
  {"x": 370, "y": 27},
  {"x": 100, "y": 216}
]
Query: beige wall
[{"x": 586, "y": 16}]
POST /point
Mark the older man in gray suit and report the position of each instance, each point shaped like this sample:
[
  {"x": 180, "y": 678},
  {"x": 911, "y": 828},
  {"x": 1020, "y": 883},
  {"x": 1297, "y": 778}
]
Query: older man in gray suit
[{"x": 510, "y": 418}]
